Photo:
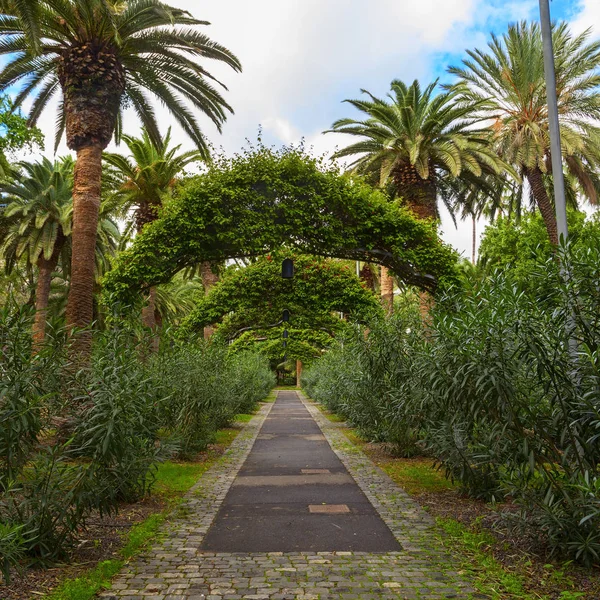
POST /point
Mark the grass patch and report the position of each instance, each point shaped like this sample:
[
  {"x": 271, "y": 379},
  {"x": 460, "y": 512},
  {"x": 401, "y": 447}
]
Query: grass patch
[
  {"x": 242, "y": 418},
  {"x": 224, "y": 437},
  {"x": 173, "y": 479},
  {"x": 333, "y": 417},
  {"x": 416, "y": 475},
  {"x": 271, "y": 397},
  {"x": 483, "y": 570}
]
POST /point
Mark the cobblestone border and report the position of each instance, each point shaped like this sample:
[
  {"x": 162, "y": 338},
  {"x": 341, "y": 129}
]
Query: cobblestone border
[{"x": 175, "y": 568}]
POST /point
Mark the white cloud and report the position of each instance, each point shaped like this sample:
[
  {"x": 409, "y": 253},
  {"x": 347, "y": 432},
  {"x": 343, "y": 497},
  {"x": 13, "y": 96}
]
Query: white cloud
[{"x": 589, "y": 17}]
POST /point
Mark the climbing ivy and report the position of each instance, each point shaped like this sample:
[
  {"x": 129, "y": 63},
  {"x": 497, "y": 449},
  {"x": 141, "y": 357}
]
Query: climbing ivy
[
  {"x": 256, "y": 295},
  {"x": 261, "y": 199},
  {"x": 247, "y": 306}
]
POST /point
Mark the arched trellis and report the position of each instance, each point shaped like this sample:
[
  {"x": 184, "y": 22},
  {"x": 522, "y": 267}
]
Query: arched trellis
[
  {"x": 264, "y": 199},
  {"x": 257, "y": 295}
]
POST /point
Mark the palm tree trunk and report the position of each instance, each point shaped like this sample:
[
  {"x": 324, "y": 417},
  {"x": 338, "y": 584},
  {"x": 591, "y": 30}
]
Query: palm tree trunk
[
  {"x": 538, "y": 189},
  {"x": 474, "y": 256},
  {"x": 298, "y": 372},
  {"x": 42, "y": 294},
  {"x": 421, "y": 199},
  {"x": 386, "y": 283},
  {"x": 366, "y": 276},
  {"x": 209, "y": 278},
  {"x": 420, "y": 195},
  {"x": 86, "y": 207},
  {"x": 149, "y": 318}
]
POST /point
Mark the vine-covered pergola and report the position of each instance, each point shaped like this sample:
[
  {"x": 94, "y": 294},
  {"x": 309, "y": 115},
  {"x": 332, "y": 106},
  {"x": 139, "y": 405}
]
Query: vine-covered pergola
[
  {"x": 265, "y": 199},
  {"x": 256, "y": 296}
]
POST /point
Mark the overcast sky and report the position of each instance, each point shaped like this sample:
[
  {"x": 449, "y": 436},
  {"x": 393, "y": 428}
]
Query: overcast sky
[{"x": 302, "y": 58}]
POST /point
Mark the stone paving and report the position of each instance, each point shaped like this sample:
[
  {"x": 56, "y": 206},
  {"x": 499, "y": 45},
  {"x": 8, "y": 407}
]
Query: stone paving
[{"x": 176, "y": 569}]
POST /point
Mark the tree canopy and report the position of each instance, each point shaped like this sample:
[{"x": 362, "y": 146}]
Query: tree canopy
[
  {"x": 248, "y": 305},
  {"x": 255, "y": 296},
  {"x": 262, "y": 199}
]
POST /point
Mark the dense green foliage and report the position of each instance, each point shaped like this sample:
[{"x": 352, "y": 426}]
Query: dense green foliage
[
  {"x": 15, "y": 134},
  {"x": 74, "y": 442},
  {"x": 263, "y": 199},
  {"x": 502, "y": 389},
  {"x": 248, "y": 304},
  {"x": 520, "y": 244}
]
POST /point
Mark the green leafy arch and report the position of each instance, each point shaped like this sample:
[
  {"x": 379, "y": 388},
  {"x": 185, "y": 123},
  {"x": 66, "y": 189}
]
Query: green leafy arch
[
  {"x": 256, "y": 296},
  {"x": 264, "y": 199}
]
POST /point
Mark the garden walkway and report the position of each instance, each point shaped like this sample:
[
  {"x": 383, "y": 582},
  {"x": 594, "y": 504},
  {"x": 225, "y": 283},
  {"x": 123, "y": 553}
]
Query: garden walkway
[{"x": 294, "y": 511}]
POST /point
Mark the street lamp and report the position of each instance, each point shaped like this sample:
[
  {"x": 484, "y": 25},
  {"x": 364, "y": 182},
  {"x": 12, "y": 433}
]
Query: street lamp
[{"x": 557, "y": 168}]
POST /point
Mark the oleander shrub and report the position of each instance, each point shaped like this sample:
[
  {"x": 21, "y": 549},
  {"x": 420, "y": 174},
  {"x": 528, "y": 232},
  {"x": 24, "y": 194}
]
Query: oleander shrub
[
  {"x": 50, "y": 502},
  {"x": 251, "y": 378},
  {"x": 366, "y": 379},
  {"x": 206, "y": 387},
  {"x": 11, "y": 549},
  {"x": 501, "y": 386},
  {"x": 77, "y": 441},
  {"x": 24, "y": 392},
  {"x": 117, "y": 416}
]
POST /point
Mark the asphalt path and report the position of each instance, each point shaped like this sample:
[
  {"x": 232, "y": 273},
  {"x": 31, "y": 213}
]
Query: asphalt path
[{"x": 293, "y": 494}]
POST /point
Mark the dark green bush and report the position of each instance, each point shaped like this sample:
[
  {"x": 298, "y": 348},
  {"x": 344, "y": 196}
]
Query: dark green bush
[
  {"x": 251, "y": 379},
  {"x": 50, "y": 502},
  {"x": 11, "y": 549},
  {"x": 206, "y": 387},
  {"x": 73, "y": 442},
  {"x": 21, "y": 395},
  {"x": 503, "y": 389},
  {"x": 117, "y": 417}
]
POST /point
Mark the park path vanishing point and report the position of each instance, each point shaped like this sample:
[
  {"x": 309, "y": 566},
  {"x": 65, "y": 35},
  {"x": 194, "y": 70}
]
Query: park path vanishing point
[{"x": 293, "y": 511}]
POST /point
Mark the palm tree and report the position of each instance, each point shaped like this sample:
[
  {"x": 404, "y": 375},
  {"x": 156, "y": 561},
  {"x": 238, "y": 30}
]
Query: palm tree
[
  {"x": 37, "y": 226},
  {"x": 487, "y": 196},
  {"x": 140, "y": 182},
  {"x": 416, "y": 140},
  {"x": 103, "y": 57},
  {"x": 507, "y": 85},
  {"x": 38, "y": 218},
  {"x": 27, "y": 11}
]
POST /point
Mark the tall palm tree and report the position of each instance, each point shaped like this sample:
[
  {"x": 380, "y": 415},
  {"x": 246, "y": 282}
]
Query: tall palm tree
[
  {"x": 103, "y": 57},
  {"x": 416, "y": 139},
  {"x": 141, "y": 181},
  {"x": 507, "y": 85},
  {"x": 38, "y": 218}
]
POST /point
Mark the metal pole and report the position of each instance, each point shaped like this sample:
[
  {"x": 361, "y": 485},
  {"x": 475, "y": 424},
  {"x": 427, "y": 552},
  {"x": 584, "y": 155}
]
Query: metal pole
[{"x": 557, "y": 168}]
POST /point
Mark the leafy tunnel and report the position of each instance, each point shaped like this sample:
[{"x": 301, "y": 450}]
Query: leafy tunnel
[{"x": 265, "y": 199}]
